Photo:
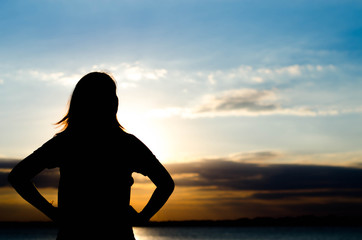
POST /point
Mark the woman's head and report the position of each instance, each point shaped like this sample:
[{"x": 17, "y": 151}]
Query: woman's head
[{"x": 93, "y": 103}]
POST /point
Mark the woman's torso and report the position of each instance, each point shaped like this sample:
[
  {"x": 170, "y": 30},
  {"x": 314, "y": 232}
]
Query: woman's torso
[{"x": 95, "y": 182}]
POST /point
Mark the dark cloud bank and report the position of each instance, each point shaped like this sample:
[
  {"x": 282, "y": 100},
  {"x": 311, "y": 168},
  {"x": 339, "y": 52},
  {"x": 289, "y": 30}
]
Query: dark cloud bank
[
  {"x": 247, "y": 176},
  {"x": 233, "y": 175},
  {"x": 48, "y": 178},
  {"x": 340, "y": 188},
  {"x": 277, "y": 189}
]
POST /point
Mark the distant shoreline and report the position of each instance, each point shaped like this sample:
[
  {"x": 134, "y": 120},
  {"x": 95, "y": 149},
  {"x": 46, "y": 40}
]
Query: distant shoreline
[{"x": 301, "y": 221}]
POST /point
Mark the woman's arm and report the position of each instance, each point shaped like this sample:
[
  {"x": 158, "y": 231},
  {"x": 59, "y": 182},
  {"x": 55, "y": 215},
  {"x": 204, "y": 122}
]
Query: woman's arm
[
  {"x": 21, "y": 179},
  {"x": 164, "y": 188}
]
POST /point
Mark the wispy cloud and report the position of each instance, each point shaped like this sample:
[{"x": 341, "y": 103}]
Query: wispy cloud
[
  {"x": 242, "y": 102},
  {"x": 248, "y": 100},
  {"x": 60, "y": 78},
  {"x": 218, "y": 93},
  {"x": 132, "y": 72},
  {"x": 255, "y": 156},
  {"x": 127, "y": 74},
  {"x": 259, "y": 75},
  {"x": 257, "y": 91}
]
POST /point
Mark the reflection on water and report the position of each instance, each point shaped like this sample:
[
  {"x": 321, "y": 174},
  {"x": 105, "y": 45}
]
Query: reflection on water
[
  {"x": 190, "y": 233},
  {"x": 248, "y": 233}
]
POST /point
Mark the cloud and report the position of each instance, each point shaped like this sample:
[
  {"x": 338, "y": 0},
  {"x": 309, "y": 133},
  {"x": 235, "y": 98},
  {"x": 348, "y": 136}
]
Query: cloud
[
  {"x": 212, "y": 94},
  {"x": 308, "y": 194},
  {"x": 132, "y": 72},
  {"x": 250, "y": 185},
  {"x": 241, "y": 102},
  {"x": 227, "y": 99},
  {"x": 255, "y": 75},
  {"x": 60, "y": 78},
  {"x": 7, "y": 163},
  {"x": 247, "y": 171},
  {"x": 225, "y": 174},
  {"x": 47, "y": 178},
  {"x": 127, "y": 74},
  {"x": 248, "y": 100},
  {"x": 252, "y": 157}
]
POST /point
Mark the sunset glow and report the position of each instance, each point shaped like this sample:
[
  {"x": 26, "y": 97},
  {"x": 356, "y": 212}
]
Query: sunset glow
[{"x": 254, "y": 107}]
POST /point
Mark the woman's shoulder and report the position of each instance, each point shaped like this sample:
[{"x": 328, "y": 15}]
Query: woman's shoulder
[
  {"x": 61, "y": 137},
  {"x": 115, "y": 136},
  {"x": 55, "y": 141},
  {"x": 126, "y": 135}
]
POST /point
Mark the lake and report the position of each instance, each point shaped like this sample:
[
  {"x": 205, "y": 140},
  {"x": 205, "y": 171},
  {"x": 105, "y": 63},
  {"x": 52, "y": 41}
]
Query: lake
[{"x": 207, "y": 233}]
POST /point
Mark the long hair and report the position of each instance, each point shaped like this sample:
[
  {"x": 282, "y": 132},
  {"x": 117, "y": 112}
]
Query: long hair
[{"x": 94, "y": 103}]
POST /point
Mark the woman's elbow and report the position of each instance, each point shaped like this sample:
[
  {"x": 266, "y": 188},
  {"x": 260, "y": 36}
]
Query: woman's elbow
[
  {"x": 166, "y": 186},
  {"x": 169, "y": 186},
  {"x": 14, "y": 179}
]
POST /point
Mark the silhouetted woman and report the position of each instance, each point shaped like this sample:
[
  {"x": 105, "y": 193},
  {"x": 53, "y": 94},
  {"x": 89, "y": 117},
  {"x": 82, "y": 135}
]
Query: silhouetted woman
[{"x": 96, "y": 158}]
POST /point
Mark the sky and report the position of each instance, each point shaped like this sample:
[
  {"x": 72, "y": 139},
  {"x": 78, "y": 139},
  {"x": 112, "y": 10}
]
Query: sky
[{"x": 253, "y": 106}]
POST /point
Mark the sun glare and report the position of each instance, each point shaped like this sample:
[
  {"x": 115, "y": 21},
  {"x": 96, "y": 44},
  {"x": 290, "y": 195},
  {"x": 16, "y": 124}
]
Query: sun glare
[{"x": 148, "y": 133}]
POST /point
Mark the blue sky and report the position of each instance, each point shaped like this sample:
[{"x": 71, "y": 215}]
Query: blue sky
[
  {"x": 305, "y": 53},
  {"x": 197, "y": 79}
]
